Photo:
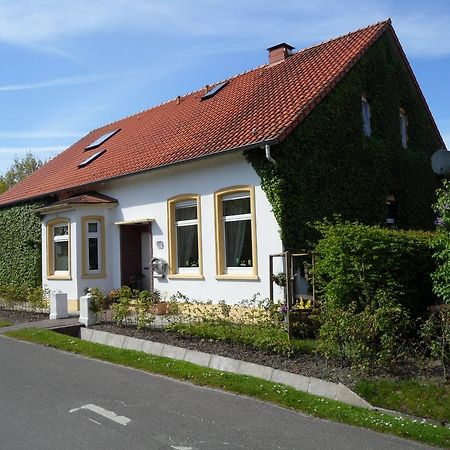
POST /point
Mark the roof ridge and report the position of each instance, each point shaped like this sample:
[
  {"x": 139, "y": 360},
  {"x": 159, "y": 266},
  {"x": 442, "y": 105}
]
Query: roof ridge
[
  {"x": 327, "y": 41},
  {"x": 245, "y": 72}
]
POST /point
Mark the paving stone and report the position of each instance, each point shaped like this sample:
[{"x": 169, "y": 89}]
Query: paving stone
[
  {"x": 223, "y": 363},
  {"x": 255, "y": 370},
  {"x": 115, "y": 340},
  {"x": 170, "y": 351},
  {"x": 345, "y": 395},
  {"x": 99, "y": 337},
  {"x": 131, "y": 343},
  {"x": 152, "y": 348},
  {"x": 199, "y": 358},
  {"x": 86, "y": 333},
  {"x": 298, "y": 382},
  {"x": 322, "y": 388}
]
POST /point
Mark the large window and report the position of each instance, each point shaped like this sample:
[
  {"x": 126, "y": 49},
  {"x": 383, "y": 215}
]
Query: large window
[
  {"x": 184, "y": 236},
  {"x": 93, "y": 251},
  {"x": 236, "y": 233},
  {"x": 58, "y": 248}
]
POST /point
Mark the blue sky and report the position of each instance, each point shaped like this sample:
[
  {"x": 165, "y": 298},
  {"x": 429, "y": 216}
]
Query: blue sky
[{"x": 68, "y": 67}]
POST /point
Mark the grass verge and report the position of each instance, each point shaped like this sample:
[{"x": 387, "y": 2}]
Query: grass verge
[
  {"x": 5, "y": 323},
  {"x": 411, "y": 397},
  {"x": 266, "y": 338},
  {"x": 240, "y": 384}
]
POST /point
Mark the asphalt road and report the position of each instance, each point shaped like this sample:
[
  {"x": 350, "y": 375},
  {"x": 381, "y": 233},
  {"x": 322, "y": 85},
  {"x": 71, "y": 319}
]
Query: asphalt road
[{"x": 54, "y": 400}]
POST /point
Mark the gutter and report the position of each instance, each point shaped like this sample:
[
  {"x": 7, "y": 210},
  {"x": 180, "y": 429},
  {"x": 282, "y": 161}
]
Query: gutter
[{"x": 258, "y": 144}]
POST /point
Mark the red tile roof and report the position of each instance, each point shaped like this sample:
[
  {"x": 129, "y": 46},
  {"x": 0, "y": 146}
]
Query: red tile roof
[{"x": 264, "y": 104}]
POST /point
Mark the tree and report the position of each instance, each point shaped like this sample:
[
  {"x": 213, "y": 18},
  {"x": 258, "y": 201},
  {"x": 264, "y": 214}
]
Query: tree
[
  {"x": 436, "y": 329},
  {"x": 20, "y": 169}
]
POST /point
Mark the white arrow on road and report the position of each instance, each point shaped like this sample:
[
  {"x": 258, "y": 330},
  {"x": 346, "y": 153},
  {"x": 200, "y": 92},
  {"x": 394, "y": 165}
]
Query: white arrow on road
[{"x": 111, "y": 415}]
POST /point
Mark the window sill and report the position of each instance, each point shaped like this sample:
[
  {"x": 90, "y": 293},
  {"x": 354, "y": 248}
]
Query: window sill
[
  {"x": 237, "y": 277},
  {"x": 185, "y": 276},
  {"x": 96, "y": 276},
  {"x": 59, "y": 277}
]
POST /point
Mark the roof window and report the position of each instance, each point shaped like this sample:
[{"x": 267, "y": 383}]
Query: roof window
[
  {"x": 91, "y": 158},
  {"x": 212, "y": 92},
  {"x": 103, "y": 138}
]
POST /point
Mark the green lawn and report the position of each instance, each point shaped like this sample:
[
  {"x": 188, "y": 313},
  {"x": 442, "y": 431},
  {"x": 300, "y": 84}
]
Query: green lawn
[
  {"x": 411, "y": 397},
  {"x": 267, "y": 338},
  {"x": 240, "y": 384},
  {"x": 5, "y": 323}
]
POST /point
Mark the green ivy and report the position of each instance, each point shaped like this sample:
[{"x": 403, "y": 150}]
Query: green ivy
[
  {"x": 20, "y": 245},
  {"x": 328, "y": 166},
  {"x": 361, "y": 265}
]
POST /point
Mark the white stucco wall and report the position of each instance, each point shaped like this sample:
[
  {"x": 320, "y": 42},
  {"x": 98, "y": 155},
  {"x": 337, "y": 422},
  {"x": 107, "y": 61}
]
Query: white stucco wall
[{"x": 145, "y": 196}]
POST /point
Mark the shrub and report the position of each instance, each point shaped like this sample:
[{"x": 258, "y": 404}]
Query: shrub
[
  {"x": 22, "y": 295},
  {"x": 122, "y": 309},
  {"x": 143, "y": 303},
  {"x": 436, "y": 329},
  {"x": 367, "y": 338},
  {"x": 436, "y": 335},
  {"x": 355, "y": 264}
]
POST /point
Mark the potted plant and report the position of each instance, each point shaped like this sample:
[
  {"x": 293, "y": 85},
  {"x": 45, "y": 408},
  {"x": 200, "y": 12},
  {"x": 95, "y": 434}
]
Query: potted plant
[{"x": 279, "y": 279}]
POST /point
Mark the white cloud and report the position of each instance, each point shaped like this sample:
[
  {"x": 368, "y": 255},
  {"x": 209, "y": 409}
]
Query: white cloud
[
  {"x": 68, "y": 81},
  {"x": 46, "y": 23}
]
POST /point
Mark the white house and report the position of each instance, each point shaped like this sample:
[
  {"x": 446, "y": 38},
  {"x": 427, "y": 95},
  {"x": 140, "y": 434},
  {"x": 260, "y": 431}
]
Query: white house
[
  {"x": 209, "y": 219},
  {"x": 173, "y": 184}
]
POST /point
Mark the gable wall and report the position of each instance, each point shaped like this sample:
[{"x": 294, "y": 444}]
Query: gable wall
[{"x": 327, "y": 165}]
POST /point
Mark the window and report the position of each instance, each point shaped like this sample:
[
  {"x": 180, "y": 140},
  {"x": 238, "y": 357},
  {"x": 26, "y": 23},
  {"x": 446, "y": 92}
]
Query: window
[
  {"x": 91, "y": 158},
  {"x": 236, "y": 233},
  {"x": 103, "y": 138},
  {"x": 403, "y": 128},
  {"x": 366, "y": 116},
  {"x": 184, "y": 237},
  {"x": 213, "y": 91},
  {"x": 391, "y": 205},
  {"x": 58, "y": 248},
  {"x": 93, "y": 250}
]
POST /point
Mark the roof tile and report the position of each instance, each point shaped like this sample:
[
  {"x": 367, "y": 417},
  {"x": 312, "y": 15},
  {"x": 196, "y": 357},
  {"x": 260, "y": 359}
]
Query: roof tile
[{"x": 264, "y": 103}]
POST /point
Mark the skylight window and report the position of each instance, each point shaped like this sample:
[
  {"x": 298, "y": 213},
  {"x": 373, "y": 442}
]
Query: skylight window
[
  {"x": 212, "y": 92},
  {"x": 91, "y": 158},
  {"x": 101, "y": 139}
]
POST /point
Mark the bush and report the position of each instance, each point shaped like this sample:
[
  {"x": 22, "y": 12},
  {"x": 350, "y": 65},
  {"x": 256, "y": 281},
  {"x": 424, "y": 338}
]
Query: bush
[
  {"x": 441, "y": 244},
  {"x": 436, "y": 334},
  {"x": 356, "y": 264},
  {"x": 14, "y": 296},
  {"x": 367, "y": 338}
]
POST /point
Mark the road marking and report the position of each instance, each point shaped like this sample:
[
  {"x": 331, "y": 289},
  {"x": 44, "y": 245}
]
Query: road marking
[
  {"x": 111, "y": 415},
  {"x": 181, "y": 448}
]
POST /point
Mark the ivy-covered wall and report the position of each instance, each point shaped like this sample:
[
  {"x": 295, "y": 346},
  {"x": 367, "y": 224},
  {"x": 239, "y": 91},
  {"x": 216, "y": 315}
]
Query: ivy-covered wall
[
  {"x": 20, "y": 245},
  {"x": 328, "y": 166}
]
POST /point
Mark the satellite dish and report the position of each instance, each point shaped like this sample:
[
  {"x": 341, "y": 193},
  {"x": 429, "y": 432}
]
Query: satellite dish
[{"x": 440, "y": 162}]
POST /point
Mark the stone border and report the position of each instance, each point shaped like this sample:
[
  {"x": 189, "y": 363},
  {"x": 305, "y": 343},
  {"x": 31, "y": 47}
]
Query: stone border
[{"x": 315, "y": 386}]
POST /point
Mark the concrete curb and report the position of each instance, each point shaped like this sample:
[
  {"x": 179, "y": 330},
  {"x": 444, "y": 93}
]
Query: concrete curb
[{"x": 315, "y": 386}]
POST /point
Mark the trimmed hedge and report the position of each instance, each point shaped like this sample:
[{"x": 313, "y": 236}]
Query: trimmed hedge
[
  {"x": 20, "y": 245},
  {"x": 360, "y": 264}
]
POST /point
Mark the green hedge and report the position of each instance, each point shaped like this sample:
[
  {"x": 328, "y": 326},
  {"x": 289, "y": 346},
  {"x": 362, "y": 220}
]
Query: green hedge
[
  {"x": 20, "y": 245},
  {"x": 361, "y": 264},
  {"x": 328, "y": 166}
]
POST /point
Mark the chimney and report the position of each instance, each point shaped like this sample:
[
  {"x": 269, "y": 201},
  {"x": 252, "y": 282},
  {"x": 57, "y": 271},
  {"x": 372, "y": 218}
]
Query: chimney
[{"x": 279, "y": 52}]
